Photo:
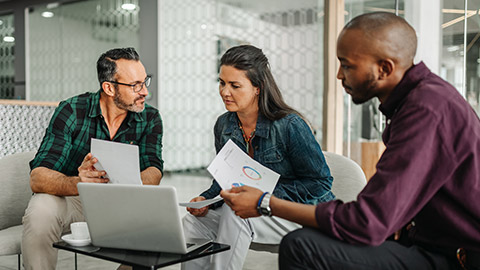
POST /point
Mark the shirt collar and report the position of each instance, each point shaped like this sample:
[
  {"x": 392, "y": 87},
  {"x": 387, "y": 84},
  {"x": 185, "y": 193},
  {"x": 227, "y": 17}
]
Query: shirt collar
[
  {"x": 409, "y": 81},
  {"x": 262, "y": 128},
  {"x": 95, "y": 110}
]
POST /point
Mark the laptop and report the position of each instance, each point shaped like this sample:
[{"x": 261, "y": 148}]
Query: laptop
[{"x": 137, "y": 217}]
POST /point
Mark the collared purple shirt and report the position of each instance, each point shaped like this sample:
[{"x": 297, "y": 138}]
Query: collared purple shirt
[{"x": 429, "y": 172}]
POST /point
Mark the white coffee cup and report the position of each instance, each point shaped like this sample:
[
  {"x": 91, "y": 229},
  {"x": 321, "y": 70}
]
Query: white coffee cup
[{"x": 80, "y": 230}]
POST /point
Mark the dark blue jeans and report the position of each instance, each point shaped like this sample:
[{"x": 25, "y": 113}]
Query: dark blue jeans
[{"x": 308, "y": 248}]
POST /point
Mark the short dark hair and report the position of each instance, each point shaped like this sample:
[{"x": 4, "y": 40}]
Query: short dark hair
[
  {"x": 255, "y": 64},
  {"x": 106, "y": 65},
  {"x": 402, "y": 41}
]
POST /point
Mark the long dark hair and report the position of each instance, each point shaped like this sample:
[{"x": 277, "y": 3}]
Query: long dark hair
[{"x": 252, "y": 60}]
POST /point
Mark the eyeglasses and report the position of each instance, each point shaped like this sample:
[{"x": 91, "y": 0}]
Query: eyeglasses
[{"x": 137, "y": 87}]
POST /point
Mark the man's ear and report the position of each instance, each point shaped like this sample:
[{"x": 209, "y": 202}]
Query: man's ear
[
  {"x": 385, "y": 68},
  {"x": 108, "y": 88}
]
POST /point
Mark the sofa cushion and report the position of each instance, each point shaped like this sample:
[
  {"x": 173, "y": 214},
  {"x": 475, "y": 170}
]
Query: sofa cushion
[
  {"x": 15, "y": 189},
  {"x": 10, "y": 240}
]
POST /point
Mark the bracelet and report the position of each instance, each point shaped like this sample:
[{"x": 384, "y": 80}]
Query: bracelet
[{"x": 260, "y": 200}]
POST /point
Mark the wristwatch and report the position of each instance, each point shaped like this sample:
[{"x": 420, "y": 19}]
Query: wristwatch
[{"x": 264, "y": 207}]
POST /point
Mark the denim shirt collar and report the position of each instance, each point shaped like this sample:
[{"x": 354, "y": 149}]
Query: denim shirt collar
[
  {"x": 261, "y": 130},
  {"x": 96, "y": 111}
]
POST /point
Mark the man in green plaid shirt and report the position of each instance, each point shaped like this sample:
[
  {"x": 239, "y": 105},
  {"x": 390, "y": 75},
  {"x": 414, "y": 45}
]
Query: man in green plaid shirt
[{"x": 117, "y": 112}]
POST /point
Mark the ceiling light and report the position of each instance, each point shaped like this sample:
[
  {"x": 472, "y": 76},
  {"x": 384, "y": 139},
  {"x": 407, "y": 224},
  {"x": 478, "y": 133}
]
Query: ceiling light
[
  {"x": 47, "y": 14},
  {"x": 8, "y": 39},
  {"x": 129, "y": 6}
]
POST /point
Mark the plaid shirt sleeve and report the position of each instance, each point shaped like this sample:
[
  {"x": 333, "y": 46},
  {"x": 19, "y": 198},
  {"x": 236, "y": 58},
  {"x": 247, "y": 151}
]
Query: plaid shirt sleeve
[
  {"x": 150, "y": 146},
  {"x": 57, "y": 142}
]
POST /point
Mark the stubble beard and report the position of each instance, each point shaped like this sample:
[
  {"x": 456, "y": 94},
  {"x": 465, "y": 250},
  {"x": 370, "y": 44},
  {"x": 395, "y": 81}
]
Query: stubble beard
[
  {"x": 366, "y": 89},
  {"x": 119, "y": 101}
]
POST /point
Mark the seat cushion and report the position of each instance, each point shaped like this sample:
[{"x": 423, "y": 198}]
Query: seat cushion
[
  {"x": 348, "y": 177},
  {"x": 10, "y": 240},
  {"x": 15, "y": 189}
]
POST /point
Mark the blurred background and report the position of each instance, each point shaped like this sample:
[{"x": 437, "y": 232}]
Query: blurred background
[{"x": 48, "y": 53}]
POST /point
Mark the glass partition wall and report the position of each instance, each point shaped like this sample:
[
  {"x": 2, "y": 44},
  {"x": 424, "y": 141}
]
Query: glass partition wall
[
  {"x": 65, "y": 41},
  {"x": 7, "y": 57},
  {"x": 460, "y": 58}
]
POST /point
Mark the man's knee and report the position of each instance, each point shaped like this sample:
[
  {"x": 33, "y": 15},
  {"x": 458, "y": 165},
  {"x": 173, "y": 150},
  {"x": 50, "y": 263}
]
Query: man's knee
[
  {"x": 44, "y": 213},
  {"x": 299, "y": 249},
  {"x": 302, "y": 237}
]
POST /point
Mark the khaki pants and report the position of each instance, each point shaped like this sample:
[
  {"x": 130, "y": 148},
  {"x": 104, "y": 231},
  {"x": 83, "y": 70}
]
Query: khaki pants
[{"x": 47, "y": 217}]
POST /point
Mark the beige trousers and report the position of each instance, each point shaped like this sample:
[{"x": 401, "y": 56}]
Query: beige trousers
[{"x": 47, "y": 217}]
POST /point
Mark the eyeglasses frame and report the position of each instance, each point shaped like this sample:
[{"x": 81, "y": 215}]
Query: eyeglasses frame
[{"x": 144, "y": 83}]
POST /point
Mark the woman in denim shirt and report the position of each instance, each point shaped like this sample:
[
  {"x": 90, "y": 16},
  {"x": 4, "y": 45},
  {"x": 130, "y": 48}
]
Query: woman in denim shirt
[{"x": 275, "y": 135}]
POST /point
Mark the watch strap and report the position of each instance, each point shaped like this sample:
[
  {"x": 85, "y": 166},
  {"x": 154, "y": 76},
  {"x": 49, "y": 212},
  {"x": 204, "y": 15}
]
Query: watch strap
[{"x": 263, "y": 206}]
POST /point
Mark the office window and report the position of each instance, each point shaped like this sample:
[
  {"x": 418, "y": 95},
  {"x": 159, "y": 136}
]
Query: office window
[
  {"x": 7, "y": 57},
  {"x": 65, "y": 41},
  {"x": 460, "y": 57}
]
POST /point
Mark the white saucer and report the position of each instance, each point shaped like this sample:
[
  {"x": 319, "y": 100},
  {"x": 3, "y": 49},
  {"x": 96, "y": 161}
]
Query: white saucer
[{"x": 75, "y": 242}]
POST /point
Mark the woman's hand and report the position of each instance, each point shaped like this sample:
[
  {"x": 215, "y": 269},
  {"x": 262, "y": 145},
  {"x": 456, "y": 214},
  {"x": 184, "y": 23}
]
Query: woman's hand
[{"x": 198, "y": 212}]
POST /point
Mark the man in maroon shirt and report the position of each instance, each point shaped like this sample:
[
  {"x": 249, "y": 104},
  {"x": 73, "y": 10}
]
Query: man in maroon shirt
[{"x": 426, "y": 188}]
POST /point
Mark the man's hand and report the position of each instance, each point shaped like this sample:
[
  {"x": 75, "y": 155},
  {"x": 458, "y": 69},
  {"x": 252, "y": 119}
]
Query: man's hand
[
  {"x": 198, "y": 212},
  {"x": 88, "y": 173},
  {"x": 243, "y": 200}
]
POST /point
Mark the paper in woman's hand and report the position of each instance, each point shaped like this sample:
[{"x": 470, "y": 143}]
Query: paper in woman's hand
[
  {"x": 233, "y": 167},
  {"x": 201, "y": 204}
]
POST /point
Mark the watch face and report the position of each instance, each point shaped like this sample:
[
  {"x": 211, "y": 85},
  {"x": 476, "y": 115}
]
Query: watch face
[{"x": 265, "y": 211}]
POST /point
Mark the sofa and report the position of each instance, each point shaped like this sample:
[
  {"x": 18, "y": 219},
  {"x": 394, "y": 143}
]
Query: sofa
[{"x": 15, "y": 194}]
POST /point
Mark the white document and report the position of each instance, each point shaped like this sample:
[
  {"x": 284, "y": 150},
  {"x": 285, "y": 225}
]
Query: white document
[
  {"x": 201, "y": 204},
  {"x": 119, "y": 160},
  {"x": 233, "y": 167}
]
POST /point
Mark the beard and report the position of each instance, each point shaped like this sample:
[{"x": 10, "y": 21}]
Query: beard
[
  {"x": 365, "y": 91},
  {"x": 122, "y": 104}
]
